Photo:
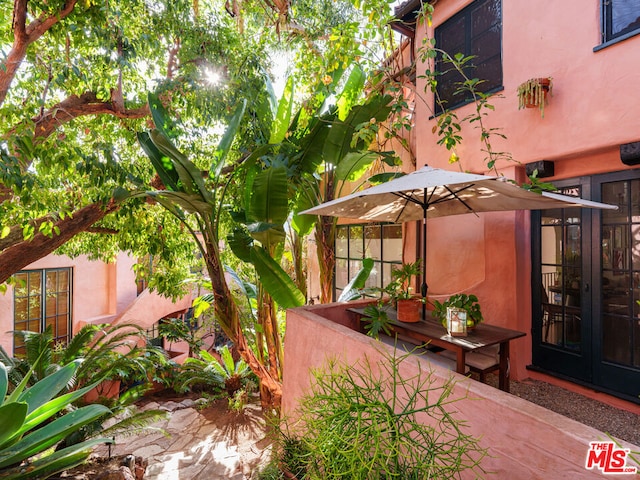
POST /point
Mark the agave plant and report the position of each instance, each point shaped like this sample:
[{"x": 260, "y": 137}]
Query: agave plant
[
  {"x": 211, "y": 371},
  {"x": 96, "y": 351},
  {"x": 26, "y": 429}
]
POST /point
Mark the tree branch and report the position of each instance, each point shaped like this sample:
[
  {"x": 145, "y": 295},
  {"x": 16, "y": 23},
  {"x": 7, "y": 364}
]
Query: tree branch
[
  {"x": 21, "y": 254},
  {"x": 23, "y": 36},
  {"x": 86, "y": 104}
]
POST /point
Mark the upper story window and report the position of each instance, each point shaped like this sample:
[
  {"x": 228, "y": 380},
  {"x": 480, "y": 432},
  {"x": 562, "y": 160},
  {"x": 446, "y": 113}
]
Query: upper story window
[
  {"x": 475, "y": 31},
  {"x": 619, "y": 18},
  {"x": 42, "y": 298}
]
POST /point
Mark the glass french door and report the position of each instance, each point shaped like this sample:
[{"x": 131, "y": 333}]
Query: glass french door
[{"x": 586, "y": 286}]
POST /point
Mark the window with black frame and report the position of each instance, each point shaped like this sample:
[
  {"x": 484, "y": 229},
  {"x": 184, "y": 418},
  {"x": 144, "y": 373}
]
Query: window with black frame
[
  {"x": 380, "y": 242},
  {"x": 475, "y": 31},
  {"x": 620, "y": 18},
  {"x": 42, "y": 298}
]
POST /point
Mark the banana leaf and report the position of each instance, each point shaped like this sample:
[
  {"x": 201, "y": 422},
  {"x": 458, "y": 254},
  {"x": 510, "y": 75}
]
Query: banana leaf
[{"x": 275, "y": 280}]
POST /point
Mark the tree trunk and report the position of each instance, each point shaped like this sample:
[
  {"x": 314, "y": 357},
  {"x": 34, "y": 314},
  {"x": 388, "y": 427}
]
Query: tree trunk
[
  {"x": 325, "y": 231},
  {"x": 17, "y": 256},
  {"x": 228, "y": 315},
  {"x": 23, "y": 36}
]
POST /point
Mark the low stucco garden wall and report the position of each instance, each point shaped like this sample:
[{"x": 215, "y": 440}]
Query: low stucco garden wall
[{"x": 524, "y": 441}]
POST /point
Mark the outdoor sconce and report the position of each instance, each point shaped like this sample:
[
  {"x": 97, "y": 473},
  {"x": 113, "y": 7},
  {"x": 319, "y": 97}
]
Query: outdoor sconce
[
  {"x": 630, "y": 153},
  {"x": 544, "y": 167}
]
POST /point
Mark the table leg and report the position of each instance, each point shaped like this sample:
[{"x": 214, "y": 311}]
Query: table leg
[
  {"x": 460, "y": 361},
  {"x": 503, "y": 381}
]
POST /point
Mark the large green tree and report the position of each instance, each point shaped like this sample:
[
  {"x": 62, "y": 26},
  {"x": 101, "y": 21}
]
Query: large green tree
[{"x": 74, "y": 78}]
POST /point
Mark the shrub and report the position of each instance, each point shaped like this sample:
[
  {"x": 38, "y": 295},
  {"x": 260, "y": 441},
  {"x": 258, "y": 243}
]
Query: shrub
[{"x": 360, "y": 422}]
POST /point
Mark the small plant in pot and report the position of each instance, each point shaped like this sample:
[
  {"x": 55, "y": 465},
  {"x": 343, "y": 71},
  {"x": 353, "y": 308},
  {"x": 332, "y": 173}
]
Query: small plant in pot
[
  {"x": 533, "y": 93},
  {"x": 399, "y": 290},
  {"x": 468, "y": 303}
]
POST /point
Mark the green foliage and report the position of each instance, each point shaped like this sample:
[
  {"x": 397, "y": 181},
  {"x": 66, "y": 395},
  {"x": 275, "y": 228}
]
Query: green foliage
[
  {"x": 368, "y": 421},
  {"x": 400, "y": 287},
  {"x": 29, "y": 428},
  {"x": 208, "y": 371},
  {"x": 469, "y": 303},
  {"x": 354, "y": 289},
  {"x": 99, "y": 352},
  {"x": 177, "y": 330},
  {"x": 376, "y": 320}
]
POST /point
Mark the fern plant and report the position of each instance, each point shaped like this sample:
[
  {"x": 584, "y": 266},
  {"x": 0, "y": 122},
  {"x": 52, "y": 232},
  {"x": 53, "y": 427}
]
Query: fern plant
[{"x": 210, "y": 371}]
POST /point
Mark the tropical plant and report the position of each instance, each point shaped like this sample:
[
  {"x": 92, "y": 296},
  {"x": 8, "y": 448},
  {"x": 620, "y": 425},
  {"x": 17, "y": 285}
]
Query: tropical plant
[
  {"x": 400, "y": 287},
  {"x": 534, "y": 93},
  {"x": 210, "y": 371},
  {"x": 199, "y": 206},
  {"x": 177, "y": 330},
  {"x": 101, "y": 352},
  {"x": 29, "y": 428},
  {"x": 106, "y": 351},
  {"x": 367, "y": 421},
  {"x": 466, "y": 302},
  {"x": 356, "y": 287},
  {"x": 376, "y": 320}
]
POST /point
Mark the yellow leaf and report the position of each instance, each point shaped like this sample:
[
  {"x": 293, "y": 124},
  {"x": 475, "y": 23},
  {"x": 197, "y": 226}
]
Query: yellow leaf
[
  {"x": 5, "y": 231},
  {"x": 454, "y": 158}
]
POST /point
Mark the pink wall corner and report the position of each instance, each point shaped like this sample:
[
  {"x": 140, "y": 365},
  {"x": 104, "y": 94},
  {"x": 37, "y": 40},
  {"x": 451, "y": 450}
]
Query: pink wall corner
[
  {"x": 101, "y": 292},
  {"x": 125, "y": 279},
  {"x": 592, "y": 90},
  {"x": 525, "y": 441},
  {"x": 6, "y": 320},
  {"x": 149, "y": 307}
]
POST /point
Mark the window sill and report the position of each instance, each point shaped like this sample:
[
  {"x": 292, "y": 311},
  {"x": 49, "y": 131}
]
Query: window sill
[
  {"x": 455, "y": 106},
  {"x": 619, "y": 39}
]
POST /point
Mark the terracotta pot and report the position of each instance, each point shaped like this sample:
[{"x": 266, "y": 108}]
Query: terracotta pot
[
  {"x": 530, "y": 101},
  {"x": 106, "y": 389},
  {"x": 409, "y": 310}
]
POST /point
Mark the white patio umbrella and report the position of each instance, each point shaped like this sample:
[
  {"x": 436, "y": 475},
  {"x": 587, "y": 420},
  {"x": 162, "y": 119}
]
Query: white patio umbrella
[{"x": 432, "y": 192}]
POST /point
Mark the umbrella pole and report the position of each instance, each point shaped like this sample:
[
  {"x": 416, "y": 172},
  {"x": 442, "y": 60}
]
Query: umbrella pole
[{"x": 423, "y": 288}]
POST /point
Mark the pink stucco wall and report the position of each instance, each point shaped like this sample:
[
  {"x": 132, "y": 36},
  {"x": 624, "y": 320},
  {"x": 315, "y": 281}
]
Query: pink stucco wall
[
  {"x": 592, "y": 111},
  {"x": 524, "y": 440},
  {"x": 594, "y": 94},
  {"x": 102, "y": 293}
]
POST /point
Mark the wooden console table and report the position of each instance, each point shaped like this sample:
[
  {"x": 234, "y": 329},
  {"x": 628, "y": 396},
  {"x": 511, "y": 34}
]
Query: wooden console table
[{"x": 431, "y": 332}]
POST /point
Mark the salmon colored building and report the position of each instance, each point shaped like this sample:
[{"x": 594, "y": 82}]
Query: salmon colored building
[
  {"x": 569, "y": 278},
  {"x": 67, "y": 293}
]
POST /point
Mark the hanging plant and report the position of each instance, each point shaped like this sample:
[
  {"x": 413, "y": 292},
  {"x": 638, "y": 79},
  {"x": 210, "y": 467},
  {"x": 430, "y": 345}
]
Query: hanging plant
[{"x": 533, "y": 93}]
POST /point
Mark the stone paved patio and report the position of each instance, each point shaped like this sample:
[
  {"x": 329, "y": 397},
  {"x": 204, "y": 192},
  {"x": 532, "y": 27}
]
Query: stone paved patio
[{"x": 211, "y": 443}]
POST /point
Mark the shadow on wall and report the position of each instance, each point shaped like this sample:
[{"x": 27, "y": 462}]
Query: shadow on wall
[{"x": 523, "y": 439}]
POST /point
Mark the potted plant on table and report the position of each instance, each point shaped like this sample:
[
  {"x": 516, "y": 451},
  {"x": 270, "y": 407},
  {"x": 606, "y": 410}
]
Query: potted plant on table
[
  {"x": 533, "y": 93},
  {"x": 399, "y": 290},
  {"x": 460, "y": 301}
]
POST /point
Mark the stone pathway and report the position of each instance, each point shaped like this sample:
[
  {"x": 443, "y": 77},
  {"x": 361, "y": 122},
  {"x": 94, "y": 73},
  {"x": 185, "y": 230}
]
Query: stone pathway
[{"x": 211, "y": 443}]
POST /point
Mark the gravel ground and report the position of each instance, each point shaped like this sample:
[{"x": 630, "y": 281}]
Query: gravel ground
[{"x": 617, "y": 422}]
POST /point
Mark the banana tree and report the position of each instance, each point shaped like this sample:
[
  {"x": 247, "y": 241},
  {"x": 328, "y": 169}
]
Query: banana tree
[
  {"x": 261, "y": 243},
  {"x": 199, "y": 206},
  {"x": 334, "y": 150}
]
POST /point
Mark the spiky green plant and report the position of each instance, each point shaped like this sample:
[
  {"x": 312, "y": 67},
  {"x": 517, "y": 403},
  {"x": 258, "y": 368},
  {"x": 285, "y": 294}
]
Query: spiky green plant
[
  {"x": 368, "y": 421},
  {"x": 99, "y": 352}
]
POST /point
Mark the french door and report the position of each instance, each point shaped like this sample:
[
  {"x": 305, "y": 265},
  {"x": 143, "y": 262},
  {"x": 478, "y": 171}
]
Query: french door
[{"x": 586, "y": 285}]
